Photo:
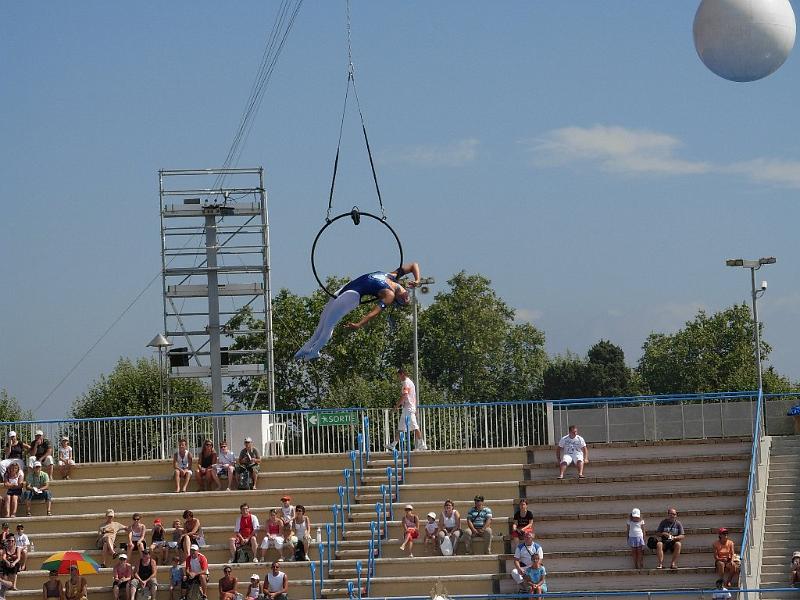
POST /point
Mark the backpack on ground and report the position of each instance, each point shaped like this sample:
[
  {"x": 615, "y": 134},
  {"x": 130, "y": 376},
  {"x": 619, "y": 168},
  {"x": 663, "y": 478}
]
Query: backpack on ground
[
  {"x": 244, "y": 554},
  {"x": 243, "y": 479}
]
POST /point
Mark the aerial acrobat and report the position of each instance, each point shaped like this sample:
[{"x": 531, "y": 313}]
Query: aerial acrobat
[{"x": 384, "y": 286}]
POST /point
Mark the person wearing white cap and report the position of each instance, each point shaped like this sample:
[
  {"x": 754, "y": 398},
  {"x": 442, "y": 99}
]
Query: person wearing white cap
[
  {"x": 41, "y": 450},
  {"x": 431, "y": 527},
  {"x": 636, "y": 534},
  {"x": 250, "y": 461},
  {"x": 523, "y": 557},
  {"x": 14, "y": 451},
  {"x": 107, "y": 536},
  {"x": 66, "y": 462},
  {"x": 37, "y": 485},
  {"x": 254, "y": 589},
  {"x": 410, "y": 524},
  {"x": 196, "y": 570},
  {"x": 123, "y": 573}
]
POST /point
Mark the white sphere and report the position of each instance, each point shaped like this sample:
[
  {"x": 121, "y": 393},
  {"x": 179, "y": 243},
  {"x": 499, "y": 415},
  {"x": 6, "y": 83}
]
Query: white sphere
[{"x": 744, "y": 40}]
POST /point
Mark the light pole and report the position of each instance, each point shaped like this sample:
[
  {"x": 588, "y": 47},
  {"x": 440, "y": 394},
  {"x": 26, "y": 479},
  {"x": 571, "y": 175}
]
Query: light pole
[
  {"x": 755, "y": 265},
  {"x": 160, "y": 343},
  {"x": 423, "y": 288}
]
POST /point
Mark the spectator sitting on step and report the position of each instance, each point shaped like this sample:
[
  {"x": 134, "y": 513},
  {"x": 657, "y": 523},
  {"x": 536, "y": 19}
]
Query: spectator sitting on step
[
  {"x": 226, "y": 463},
  {"x": 66, "y": 460},
  {"x": 244, "y": 532},
  {"x": 289, "y": 542},
  {"x": 724, "y": 555},
  {"x": 227, "y": 584},
  {"x": 523, "y": 557},
  {"x": 287, "y": 510},
  {"x": 177, "y": 536},
  {"x": 192, "y": 534},
  {"x": 522, "y": 521},
  {"x": 206, "y": 471},
  {"x": 5, "y": 585},
  {"x": 274, "y": 537},
  {"x": 431, "y": 527},
  {"x": 196, "y": 567},
  {"x": 75, "y": 588},
  {"x": 40, "y": 450},
  {"x": 449, "y": 525},
  {"x": 52, "y": 588},
  {"x": 175, "y": 577},
  {"x": 37, "y": 487},
  {"x": 571, "y": 449},
  {"x": 145, "y": 576},
  {"x": 107, "y": 537},
  {"x": 137, "y": 535},
  {"x": 10, "y": 561},
  {"x": 668, "y": 538},
  {"x": 795, "y": 568},
  {"x": 24, "y": 544},
  {"x": 250, "y": 459},
  {"x": 479, "y": 520},
  {"x": 301, "y": 527},
  {"x": 720, "y": 591},
  {"x": 535, "y": 576},
  {"x": 410, "y": 524},
  {"x": 276, "y": 584},
  {"x": 254, "y": 589},
  {"x": 123, "y": 573},
  {"x": 13, "y": 482},
  {"x": 14, "y": 452},
  {"x": 158, "y": 544},
  {"x": 182, "y": 465},
  {"x": 5, "y": 532}
]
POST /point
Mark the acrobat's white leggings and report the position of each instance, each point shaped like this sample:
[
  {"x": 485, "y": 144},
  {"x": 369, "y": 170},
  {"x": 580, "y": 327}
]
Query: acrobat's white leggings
[{"x": 334, "y": 311}]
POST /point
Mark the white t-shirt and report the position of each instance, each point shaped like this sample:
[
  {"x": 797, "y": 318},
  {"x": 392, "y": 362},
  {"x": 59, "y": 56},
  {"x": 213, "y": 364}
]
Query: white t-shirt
[
  {"x": 22, "y": 540},
  {"x": 524, "y": 553},
  {"x": 635, "y": 530},
  {"x": 226, "y": 458},
  {"x": 409, "y": 395},
  {"x": 572, "y": 446}
]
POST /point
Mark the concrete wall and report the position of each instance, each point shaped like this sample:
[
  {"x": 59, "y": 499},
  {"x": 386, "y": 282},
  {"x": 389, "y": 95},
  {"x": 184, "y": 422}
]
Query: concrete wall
[{"x": 672, "y": 421}]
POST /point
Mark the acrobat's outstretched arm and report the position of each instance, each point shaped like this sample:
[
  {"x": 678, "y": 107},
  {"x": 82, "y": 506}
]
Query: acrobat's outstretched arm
[{"x": 366, "y": 318}]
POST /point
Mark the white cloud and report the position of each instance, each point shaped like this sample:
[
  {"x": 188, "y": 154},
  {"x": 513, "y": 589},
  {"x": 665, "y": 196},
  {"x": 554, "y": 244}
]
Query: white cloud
[
  {"x": 454, "y": 154},
  {"x": 527, "y": 315},
  {"x": 643, "y": 152}
]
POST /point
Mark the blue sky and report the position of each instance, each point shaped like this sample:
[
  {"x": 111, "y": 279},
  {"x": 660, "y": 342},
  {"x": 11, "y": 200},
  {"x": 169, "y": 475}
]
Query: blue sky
[{"x": 579, "y": 154}]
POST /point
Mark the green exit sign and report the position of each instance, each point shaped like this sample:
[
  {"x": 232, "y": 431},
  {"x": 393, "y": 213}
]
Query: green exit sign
[{"x": 318, "y": 419}]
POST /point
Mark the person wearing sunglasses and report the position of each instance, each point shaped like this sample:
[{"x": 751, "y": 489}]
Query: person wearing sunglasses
[{"x": 206, "y": 473}]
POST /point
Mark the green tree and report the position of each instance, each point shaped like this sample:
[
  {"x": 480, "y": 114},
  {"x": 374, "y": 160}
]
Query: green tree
[
  {"x": 566, "y": 376},
  {"x": 711, "y": 353},
  {"x": 602, "y": 374},
  {"x": 10, "y": 409},
  {"x": 608, "y": 373},
  {"x": 132, "y": 388},
  {"x": 471, "y": 348}
]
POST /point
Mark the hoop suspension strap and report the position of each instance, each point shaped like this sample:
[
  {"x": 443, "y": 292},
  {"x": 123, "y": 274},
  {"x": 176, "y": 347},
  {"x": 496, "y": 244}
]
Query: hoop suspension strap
[{"x": 351, "y": 80}]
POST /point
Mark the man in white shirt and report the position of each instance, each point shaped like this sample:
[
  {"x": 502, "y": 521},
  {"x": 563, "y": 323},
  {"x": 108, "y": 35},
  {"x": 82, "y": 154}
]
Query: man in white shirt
[
  {"x": 408, "y": 404},
  {"x": 571, "y": 449},
  {"x": 226, "y": 461},
  {"x": 523, "y": 557},
  {"x": 23, "y": 543}
]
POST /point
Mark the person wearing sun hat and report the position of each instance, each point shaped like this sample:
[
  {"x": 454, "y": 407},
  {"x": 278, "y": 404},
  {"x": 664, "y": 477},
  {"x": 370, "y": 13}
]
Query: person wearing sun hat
[
  {"x": 75, "y": 587},
  {"x": 66, "y": 458},
  {"x": 107, "y": 535},
  {"x": 14, "y": 451},
  {"x": 254, "y": 589},
  {"x": 410, "y": 524},
  {"x": 41, "y": 450},
  {"x": 724, "y": 558},
  {"x": 196, "y": 570},
  {"x": 123, "y": 573}
]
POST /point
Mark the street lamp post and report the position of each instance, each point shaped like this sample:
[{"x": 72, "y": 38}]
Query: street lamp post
[
  {"x": 755, "y": 265},
  {"x": 423, "y": 288},
  {"x": 161, "y": 343}
]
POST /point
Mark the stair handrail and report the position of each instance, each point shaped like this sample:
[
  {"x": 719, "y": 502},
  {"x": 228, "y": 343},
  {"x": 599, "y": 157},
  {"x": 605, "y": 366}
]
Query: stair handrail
[
  {"x": 408, "y": 444},
  {"x": 328, "y": 545},
  {"x": 313, "y": 569},
  {"x": 321, "y": 568},
  {"x": 359, "y": 568},
  {"x": 353, "y": 467},
  {"x": 335, "y": 511},
  {"x": 360, "y": 443},
  {"x": 750, "y": 512}
]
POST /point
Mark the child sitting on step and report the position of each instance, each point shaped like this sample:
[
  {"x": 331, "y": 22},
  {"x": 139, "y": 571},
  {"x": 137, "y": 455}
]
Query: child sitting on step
[{"x": 430, "y": 533}]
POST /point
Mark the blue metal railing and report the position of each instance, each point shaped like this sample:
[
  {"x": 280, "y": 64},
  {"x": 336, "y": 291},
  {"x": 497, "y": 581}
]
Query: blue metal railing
[{"x": 752, "y": 486}]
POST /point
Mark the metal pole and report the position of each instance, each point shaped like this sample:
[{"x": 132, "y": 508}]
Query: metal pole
[
  {"x": 213, "y": 320},
  {"x": 756, "y": 333},
  {"x": 414, "y": 315},
  {"x": 268, "y": 297}
]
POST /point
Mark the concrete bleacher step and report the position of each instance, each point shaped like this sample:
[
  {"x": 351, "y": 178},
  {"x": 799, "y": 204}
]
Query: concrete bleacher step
[
  {"x": 689, "y": 482},
  {"x": 636, "y": 451},
  {"x": 483, "y": 456},
  {"x": 475, "y": 474},
  {"x": 454, "y": 490}
]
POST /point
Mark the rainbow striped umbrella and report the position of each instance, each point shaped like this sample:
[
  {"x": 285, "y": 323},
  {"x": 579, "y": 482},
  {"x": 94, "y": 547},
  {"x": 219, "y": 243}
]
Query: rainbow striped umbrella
[{"x": 62, "y": 561}]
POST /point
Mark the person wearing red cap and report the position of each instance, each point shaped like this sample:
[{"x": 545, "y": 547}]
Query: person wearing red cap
[
  {"x": 287, "y": 509},
  {"x": 724, "y": 554},
  {"x": 158, "y": 547}
]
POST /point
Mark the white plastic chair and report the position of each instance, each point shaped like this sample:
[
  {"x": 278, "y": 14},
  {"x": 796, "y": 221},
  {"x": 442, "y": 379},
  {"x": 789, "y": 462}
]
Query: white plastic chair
[{"x": 274, "y": 445}]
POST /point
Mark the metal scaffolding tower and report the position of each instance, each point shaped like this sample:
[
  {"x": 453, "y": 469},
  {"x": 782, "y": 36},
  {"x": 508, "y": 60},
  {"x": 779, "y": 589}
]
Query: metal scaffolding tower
[{"x": 215, "y": 263}]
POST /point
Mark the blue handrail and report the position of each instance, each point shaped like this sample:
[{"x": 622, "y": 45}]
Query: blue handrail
[
  {"x": 385, "y": 491},
  {"x": 335, "y": 511},
  {"x": 351, "y": 590},
  {"x": 321, "y": 568},
  {"x": 355, "y": 488},
  {"x": 313, "y": 568},
  {"x": 358, "y": 574},
  {"x": 370, "y": 565},
  {"x": 749, "y": 512},
  {"x": 360, "y": 442},
  {"x": 328, "y": 544},
  {"x": 379, "y": 511},
  {"x": 408, "y": 445},
  {"x": 366, "y": 436}
]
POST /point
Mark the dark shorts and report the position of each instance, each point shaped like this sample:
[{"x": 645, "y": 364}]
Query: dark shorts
[
  {"x": 121, "y": 585},
  {"x": 14, "y": 492}
]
